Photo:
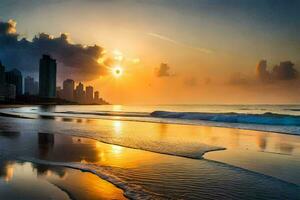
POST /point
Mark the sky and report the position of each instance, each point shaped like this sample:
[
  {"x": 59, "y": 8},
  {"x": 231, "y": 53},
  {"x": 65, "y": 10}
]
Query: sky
[{"x": 170, "y": 51}]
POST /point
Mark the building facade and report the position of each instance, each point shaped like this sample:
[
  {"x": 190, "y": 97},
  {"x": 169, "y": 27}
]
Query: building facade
[
  {"x": 14, "y": 77},
  {"x": 89, "y": 90},
  {"x": 47, "y": 77},
  {"x": 2, "y": 74},
  {"x": 30, "y": 86},
  {"x": 96, "y": 97},
  {"x": 68, "y": 90},
  {"x": 80, "y": 93}
]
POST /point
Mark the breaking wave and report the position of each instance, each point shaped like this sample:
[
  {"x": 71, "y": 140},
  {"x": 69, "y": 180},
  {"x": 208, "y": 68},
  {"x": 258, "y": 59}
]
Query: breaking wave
[
  {"x": 267, "y": 118},
  {"x": 131, "y": 191}
]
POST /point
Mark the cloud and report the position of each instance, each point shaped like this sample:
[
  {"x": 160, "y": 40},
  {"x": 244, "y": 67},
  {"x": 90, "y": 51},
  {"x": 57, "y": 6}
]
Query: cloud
[
  {"x": 280, "y": 82},
  {"x": 8, "y": 27},
  {"x": 163, "y": 70},
  {"x": 161, "y": 37},
  {"x": 261, "y": 71},
  {"x": 283, "y": 72},
  {"x": 74, "y": 60}
]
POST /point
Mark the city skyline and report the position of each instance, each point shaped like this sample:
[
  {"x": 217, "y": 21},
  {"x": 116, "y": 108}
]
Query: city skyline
[
  {"x": 13, "y": 86},
  {"x": 212, "y": 60},
  {"x": 150, "y": 99}
]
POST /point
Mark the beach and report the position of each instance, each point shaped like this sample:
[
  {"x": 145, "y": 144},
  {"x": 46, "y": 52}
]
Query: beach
[{"x": 121, "y": 159}]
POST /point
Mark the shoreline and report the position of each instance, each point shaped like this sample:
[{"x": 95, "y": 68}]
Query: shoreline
[
  {"x": 80, "y": 153},
  {"x": 64, "y": 183},
  {"x": 160, "y": 122}
]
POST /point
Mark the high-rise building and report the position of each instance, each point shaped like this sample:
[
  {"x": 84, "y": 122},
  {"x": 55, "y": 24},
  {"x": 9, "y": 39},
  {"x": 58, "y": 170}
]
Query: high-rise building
[
  {"x": 89, "y": 93},
  {"x": 2, "y": 74},
  {"x": 59, "y": 93},
  {"x": 36, "y": 88},
  {"x": 80, "y": 93},
  {"x": 29, "y": 86},
  {"x": 47, "y": 77},
  {"x": 96, "y": 97},
  {"x": 14, "y": 77},
  {"x": 68, "y": 90},
  {"x": 7, "y": 91}
]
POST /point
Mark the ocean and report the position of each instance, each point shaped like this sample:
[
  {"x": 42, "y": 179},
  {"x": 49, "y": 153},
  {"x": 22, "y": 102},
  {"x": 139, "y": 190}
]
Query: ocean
[
  {"x": 167, "y": 151},
  {"x": 274, "y": 118}
]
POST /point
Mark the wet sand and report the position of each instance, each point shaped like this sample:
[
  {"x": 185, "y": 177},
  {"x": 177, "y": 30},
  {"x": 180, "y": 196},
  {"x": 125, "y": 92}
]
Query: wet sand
[
  {"x": 25, "y": 180},
  {"x": 156, "y": 173},
  {"x": 271, "y": 154}
]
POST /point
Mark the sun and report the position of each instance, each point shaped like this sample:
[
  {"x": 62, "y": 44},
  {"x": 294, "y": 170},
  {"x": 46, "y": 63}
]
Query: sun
[{"x": 117, "y": 71}]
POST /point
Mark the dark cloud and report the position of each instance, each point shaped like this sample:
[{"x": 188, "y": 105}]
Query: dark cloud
[
  {"x": 74, "y": 60},
  {"x": 261, "y": 71},
  {"x": 282, "y": 80},
  {"x": 282, "y": 72},
  {"x": 163, "y": 70}
]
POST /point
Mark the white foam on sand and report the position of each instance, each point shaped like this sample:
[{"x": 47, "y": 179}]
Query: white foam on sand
[
  {"x": 194, "y": 150},
  {"x": 131, "y": 191}
]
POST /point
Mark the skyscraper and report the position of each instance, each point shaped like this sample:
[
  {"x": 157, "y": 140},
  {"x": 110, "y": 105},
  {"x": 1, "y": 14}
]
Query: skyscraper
[
  {"x": 96, "y": 97},
  {"x": 47, "y": 77},
  {"x": 36, "y": 88},
  {"x": 68, "y": 90},
  {"x": 89, "y": 91},
  {"x": 14, "y": 77},
  {"x": 79, "y": 93},
  {"x": 7, "y": 91},
  {"x": 2, "y": 74},
  {"x": 59, "y": 93},
  {"x": 29, "y": 85}
]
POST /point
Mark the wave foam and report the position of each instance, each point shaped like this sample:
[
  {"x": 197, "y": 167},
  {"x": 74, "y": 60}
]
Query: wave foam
[
  {"x": 265, "y": 119},
  {"x": 130, "y": 190}
]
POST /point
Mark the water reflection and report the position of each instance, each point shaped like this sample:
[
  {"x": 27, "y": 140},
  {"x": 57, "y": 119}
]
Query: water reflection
[
  {"x": 67, "y": 119},
  {"x": 224, "y": 137},
  {"x": 63, "y": 148},
  {"x": 24, "y": 180},
  {"x": 7, "y": 168},
  {"x": 10, "y": 134},
  {"x": 253, "y": 150},
  {"x": 262, "y": 142},
  {"x": 6, "y": 171},
  {"x": 117, "y": 127},
  {"x": 20, "y": 180},
  {"x": 46, "y": 108},
  {"x": 117, "y": 108},
  {"x": 79, "y": 120},
  {"x": 47, "y": 117},
  {"x": 286, "y": 148}
]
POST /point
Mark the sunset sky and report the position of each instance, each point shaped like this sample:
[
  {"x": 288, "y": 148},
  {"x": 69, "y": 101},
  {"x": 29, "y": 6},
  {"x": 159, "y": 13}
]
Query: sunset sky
[{"x": 170, "y": 51}]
